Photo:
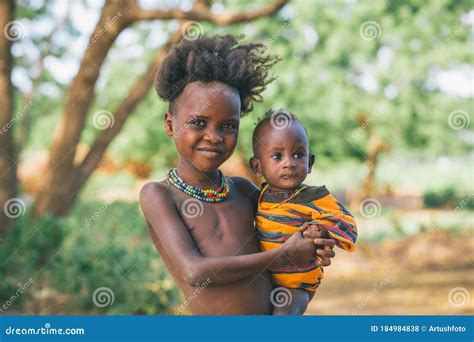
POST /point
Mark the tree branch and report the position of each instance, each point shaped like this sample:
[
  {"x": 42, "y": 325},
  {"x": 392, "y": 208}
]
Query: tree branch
[
  {"x": 203, "y": 13},
  {"x": 124, "y": 110}
]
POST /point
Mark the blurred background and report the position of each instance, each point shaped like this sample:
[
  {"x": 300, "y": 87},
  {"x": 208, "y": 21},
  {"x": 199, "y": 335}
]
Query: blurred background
[{"x": 385, "y": 89}]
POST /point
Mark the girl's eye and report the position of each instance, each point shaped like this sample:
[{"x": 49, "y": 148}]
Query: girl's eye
[
  {"x": 298, "y": 154},
  {"x": 276, "y": 156},
  {"x": 198, "y": 123},
  {"x": 228, "y": 126}
]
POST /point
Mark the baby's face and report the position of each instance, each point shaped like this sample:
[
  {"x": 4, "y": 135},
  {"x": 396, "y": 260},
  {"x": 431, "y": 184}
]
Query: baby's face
[{"x": 283, "y": 156}]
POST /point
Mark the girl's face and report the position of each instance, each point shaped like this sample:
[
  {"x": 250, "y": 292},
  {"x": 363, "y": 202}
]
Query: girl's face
[{"x": 205, "y": 124}]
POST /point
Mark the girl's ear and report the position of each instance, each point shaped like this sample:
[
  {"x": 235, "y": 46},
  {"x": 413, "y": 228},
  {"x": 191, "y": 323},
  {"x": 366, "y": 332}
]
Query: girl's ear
[
  {"x": 310, "y": 162},
  {"x": 255, "y": 166},
  {"x": 168, "y": 124}
]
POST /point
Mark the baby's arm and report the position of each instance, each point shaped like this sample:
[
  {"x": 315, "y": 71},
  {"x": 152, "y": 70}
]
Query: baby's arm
[
  {"x": 294, "y": 301},
  {"x": 337, "y": 221},
  {"x": 172, "y": 238}
]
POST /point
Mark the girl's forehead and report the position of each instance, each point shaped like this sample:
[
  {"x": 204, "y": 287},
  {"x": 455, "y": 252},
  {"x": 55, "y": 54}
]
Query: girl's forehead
[
  {"x": 209, "y": 89},
  {"x": 199, "y": 98}
]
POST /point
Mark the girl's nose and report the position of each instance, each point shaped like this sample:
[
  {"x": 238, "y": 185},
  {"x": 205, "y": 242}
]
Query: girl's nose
[{"x": 213, "y": 137}]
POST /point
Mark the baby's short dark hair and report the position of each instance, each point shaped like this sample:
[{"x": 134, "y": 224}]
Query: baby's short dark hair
[
  {"x": 217, "y": 58},
  {"x": 278, "y": 118}
]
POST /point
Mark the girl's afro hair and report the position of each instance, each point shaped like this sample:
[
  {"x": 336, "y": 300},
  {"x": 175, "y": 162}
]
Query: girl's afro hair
[{"x": 218, "y": 58}]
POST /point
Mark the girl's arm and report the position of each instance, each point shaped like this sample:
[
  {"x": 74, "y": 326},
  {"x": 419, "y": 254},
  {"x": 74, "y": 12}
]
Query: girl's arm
[{"x": 172, "y": 238}]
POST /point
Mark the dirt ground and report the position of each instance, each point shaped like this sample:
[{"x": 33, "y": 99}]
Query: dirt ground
[{"x": 427, "y": 274}]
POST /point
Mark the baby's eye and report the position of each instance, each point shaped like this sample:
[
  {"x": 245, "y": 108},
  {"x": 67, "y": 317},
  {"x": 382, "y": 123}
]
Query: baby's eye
[
  {"x": 298, "y": 154},
  {"x": 276, "y": 156},
  {"x": 199, "y": 123},
  {"x": 229, "y": 126}
]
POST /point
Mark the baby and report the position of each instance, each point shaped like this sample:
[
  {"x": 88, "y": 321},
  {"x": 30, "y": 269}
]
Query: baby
[{"x": 286, "y": 205}]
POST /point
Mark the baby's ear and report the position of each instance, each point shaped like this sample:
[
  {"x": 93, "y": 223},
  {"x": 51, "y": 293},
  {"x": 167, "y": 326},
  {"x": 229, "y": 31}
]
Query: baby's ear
[
  {"x": 255, "y": 166},
  {"x": 168, "y": 124},
  {"x": 311, "y": 162}
]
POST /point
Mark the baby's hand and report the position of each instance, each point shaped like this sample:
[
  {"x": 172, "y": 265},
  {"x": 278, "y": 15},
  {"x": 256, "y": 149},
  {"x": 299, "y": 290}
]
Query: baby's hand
[
  {"x": 313, "y": 231},
  {"x": 322, "y": 240}
]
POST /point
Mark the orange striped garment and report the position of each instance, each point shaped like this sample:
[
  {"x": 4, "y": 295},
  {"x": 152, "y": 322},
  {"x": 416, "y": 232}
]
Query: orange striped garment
[{"x": 275, "y": 224}]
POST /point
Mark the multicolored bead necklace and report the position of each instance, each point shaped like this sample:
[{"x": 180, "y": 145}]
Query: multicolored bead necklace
[
  {"x": 208, "y": 195},
  {"x": 293, "y": 195}
]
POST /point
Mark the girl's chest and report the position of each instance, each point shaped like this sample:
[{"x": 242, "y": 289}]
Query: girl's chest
[{"x": 225, "y": 228}]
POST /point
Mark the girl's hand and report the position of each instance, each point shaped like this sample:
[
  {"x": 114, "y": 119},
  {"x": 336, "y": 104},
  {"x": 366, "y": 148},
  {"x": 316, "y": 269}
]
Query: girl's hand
[{"x": 297, "y": 251}]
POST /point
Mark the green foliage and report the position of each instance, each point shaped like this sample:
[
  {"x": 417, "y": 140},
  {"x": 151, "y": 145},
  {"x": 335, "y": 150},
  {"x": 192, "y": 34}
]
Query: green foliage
[
  {"x": 324, "y": 60},
  {"x": 99, "y": 245},
  {"x": 447, "y": 197}
]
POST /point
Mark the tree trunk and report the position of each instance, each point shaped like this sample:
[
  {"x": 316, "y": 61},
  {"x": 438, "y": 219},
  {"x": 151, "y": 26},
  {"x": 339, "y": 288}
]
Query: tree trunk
[
  {"x": 56, "y": 196},
  {"x": 7, "y": 149}
]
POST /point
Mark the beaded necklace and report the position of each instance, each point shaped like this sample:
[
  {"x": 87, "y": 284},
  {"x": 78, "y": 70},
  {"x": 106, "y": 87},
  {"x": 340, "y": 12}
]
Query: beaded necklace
[
  {"x": 206, "y": 195},
  {"x": 293, "y": 195}
]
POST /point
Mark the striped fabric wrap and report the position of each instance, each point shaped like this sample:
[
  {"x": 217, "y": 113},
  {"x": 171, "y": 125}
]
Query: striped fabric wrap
[{"x": 315, "y": 205}]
